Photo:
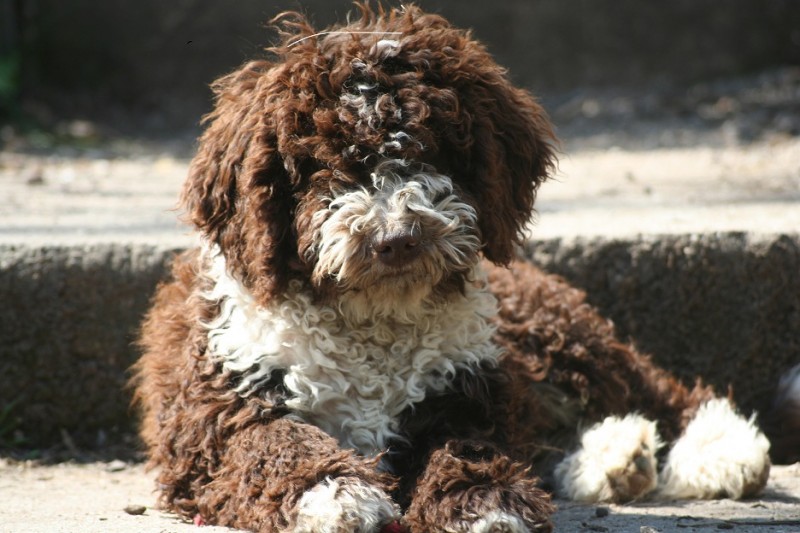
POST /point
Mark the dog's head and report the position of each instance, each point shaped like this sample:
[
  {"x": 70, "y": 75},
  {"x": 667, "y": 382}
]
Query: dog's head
[{"x": 377, "y": 159}]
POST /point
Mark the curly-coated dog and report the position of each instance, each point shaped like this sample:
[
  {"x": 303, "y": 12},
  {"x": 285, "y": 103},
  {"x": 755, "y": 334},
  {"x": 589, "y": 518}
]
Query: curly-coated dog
[{"x": 354, "y": 348}]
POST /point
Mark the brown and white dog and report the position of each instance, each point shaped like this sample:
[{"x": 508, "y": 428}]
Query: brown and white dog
[{"x": 354, "y": 347}]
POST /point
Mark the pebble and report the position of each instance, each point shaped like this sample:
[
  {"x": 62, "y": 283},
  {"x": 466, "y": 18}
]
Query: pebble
[
  {"x": 602, "y": 512},
  {"x": 116, "y": 466},
  {"x": 135, "y": 509}
]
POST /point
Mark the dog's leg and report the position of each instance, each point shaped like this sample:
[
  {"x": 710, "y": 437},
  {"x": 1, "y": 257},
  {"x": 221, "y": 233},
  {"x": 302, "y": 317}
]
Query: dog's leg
[
  {"x": 721, "y": 454},
  {"x": 469, "y": 487},
  {"x": 615, "y": 461},
  {"x": 280, "y": 476},
  {"x": 713, "y": 451}
]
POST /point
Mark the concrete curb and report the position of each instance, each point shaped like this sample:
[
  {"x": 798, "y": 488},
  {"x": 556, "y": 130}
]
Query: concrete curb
[
  {"x": 726, "y": 306},
  {"x": 67, "y": 331}
]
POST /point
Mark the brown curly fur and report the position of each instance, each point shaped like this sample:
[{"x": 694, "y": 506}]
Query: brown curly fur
[
  {"x": 278, "y": 137},
  {"x": 278, "y": 140}
]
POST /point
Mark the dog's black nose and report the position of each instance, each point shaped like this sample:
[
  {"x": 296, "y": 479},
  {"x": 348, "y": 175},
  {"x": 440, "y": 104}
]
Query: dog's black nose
[{"x": 397, "y": 248}]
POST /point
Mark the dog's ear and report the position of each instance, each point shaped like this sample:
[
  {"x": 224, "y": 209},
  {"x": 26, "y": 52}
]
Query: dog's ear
[
  {"x": 513, "y": 152},
  {"x": 501, "y": 141},
  {"x": 238, "y": 193}
]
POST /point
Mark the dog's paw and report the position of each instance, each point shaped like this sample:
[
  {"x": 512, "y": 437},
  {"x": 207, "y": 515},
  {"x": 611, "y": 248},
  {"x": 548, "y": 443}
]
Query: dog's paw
[
  {"x": 499, "y": 522},
  {"x": 344, "y": 505},
  {"x": 615, "y": 462},
  {"x": 721, "y": 454}
]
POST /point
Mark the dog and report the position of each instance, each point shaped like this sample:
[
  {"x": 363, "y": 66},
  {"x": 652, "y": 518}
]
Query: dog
[{"x": 355, "y": 347}]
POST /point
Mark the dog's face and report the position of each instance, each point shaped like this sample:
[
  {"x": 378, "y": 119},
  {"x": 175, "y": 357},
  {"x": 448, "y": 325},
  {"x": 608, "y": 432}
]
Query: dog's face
[{"x": 376, "y": 160}]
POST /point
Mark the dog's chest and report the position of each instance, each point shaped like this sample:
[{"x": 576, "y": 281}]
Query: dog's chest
[{"x": 351, "y": 381}]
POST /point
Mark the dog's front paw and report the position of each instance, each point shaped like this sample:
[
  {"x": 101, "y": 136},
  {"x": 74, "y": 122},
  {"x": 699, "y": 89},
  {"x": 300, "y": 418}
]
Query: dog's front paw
[
  {"x": 721, "y": 454},
  {"x": 615, "y": 462},
  {"x": 344, "y": 505},
  {"x": 472, "y": 487}
]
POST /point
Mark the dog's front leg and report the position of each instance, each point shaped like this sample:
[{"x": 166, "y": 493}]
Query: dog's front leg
[
  {"x": 284, "y": 475},
  {"x": 472, "y": 487}
]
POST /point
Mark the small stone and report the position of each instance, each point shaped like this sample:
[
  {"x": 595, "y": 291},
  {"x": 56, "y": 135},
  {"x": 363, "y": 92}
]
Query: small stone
[
  {"x": 34, "y": 179},
  {"x": 116, "y": 466},
  {"x": 649, "y": 529},
  {"x": 135, "y": 509},
  {"x": 602, "y": 512}
]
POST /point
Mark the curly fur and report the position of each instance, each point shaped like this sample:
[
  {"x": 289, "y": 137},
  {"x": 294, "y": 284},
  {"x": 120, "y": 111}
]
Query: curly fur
[{"x": 354, "y": 348}]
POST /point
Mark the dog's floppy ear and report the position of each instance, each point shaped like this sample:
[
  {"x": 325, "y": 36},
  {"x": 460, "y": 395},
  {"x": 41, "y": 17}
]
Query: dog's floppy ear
[
  {"x": 512, "y": 155},
  {"x": 502, "y": 141},
  {"x": 237, "y": 192}
]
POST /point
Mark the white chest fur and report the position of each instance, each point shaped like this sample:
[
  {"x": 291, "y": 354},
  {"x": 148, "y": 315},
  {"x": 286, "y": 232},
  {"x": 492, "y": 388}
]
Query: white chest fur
[{"x": 350, "y": 380}]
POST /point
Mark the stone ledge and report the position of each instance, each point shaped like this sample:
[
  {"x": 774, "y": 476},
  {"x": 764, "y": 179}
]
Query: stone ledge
[{"x": 724, "y": 305}]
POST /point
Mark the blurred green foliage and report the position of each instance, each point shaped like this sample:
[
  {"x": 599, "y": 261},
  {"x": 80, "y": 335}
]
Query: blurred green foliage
[
  {"x": 9, "y": 424},
  {"x": 9, "y": 82}
]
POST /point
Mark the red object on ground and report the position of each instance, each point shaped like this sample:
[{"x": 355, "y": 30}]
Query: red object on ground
[
  {"x": 198, "y": 520},
  {"x": 394, "y": 527}
]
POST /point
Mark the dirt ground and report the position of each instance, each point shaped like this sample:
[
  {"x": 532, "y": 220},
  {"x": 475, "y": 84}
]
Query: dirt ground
[{"x": 99, "y": 497}]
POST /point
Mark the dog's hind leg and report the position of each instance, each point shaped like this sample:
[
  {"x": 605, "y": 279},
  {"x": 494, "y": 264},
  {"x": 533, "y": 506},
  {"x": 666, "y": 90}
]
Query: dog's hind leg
[
  {"x": 553, "y": 336},
  {"x": 615, "y": 461},
  {"x": 719, "y": 455}
]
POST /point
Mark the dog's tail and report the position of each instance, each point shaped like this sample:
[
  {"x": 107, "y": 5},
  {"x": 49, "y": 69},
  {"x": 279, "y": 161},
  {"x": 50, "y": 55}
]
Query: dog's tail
[{"x": 782, "y": 422}]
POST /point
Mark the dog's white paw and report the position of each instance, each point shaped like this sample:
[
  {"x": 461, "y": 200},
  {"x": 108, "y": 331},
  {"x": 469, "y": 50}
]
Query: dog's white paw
[
  {"x": 721, "y": 454},
  {"x": 615, "y": 462},
  {"x": 499, "y": 522},
  {"x": 344, "y": 506}
]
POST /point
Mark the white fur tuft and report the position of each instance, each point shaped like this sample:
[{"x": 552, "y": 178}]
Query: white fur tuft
[
  {"x": 499, "y": 522},
  {"x": 615, "y": 461},
  {"x": 344, "y": 506},
  {"x": 721, "y": 454}
]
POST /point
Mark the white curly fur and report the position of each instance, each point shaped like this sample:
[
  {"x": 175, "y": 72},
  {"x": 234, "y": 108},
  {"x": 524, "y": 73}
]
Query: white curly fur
[
  {"x": 721, "y": 454},
  {"x": 499, "y": 522},
  {"x": 350, "y": 379},
  {"x": 344, "y": 506},
  {"x": 611, "y": 454}
]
